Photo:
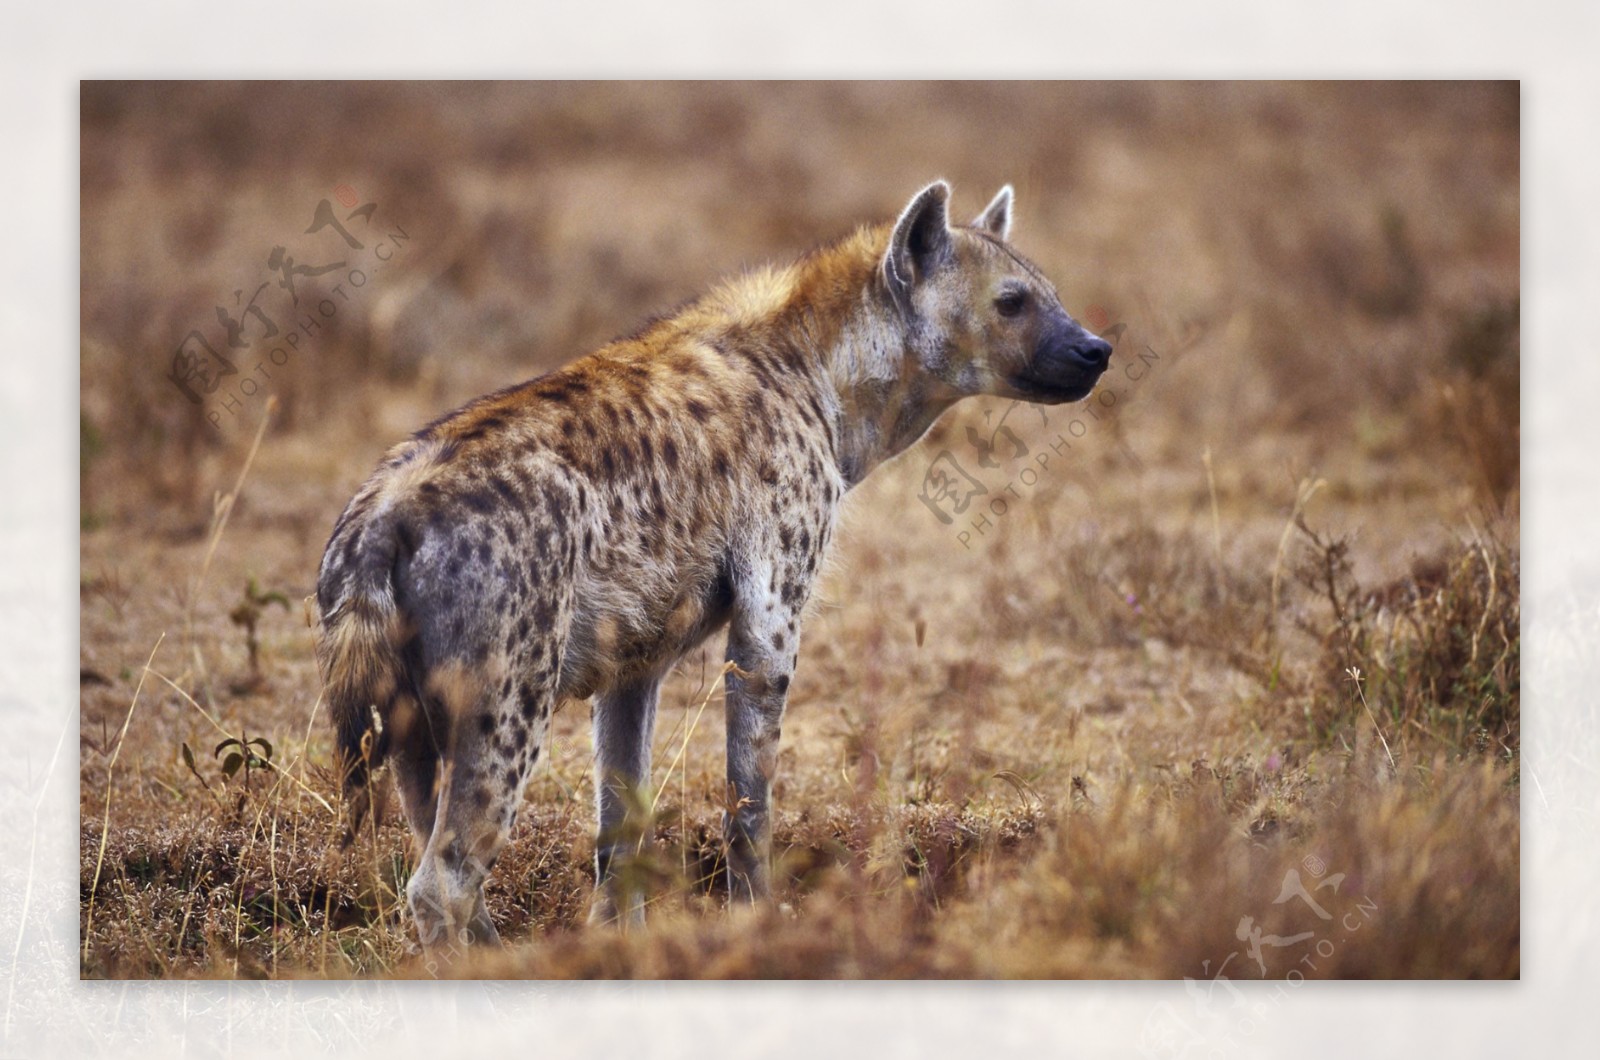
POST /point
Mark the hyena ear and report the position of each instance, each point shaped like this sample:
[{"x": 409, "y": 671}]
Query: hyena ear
[
  {"x": 996, "y": 217},
  {"x": 921, "y": 242}
]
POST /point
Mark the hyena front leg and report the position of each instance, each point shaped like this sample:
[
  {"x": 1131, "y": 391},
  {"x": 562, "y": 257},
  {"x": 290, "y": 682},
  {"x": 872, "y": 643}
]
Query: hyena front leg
[
  {"x": 624, "y": 720},
  {"x": 763, "y": 637},
  {"x": 498, "y": 726}
]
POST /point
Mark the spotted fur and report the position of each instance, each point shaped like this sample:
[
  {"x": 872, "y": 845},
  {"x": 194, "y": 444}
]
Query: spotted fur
[{"x": 573, "y": 536}]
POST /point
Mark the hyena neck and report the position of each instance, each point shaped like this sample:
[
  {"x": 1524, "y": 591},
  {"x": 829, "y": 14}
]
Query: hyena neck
[
  {"x": 869, "y": 364},
  {"x": 884, "y": 399}
]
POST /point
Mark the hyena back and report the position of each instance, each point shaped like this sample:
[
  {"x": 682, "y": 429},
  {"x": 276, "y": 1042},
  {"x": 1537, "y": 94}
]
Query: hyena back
[{"x": 576, "y": 535}]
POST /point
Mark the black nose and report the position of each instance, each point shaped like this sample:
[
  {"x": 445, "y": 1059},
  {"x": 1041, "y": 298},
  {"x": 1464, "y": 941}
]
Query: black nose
[{"x": 1094, "y": 353}]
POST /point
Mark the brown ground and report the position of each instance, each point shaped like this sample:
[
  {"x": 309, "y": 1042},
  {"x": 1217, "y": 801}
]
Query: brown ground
[{"x": 1089, "y": 741}]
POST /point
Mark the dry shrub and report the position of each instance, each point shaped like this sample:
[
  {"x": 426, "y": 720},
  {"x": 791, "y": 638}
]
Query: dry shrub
[
  {"x": 1135, "y": 583},
  {"x": 1150, "y": 873},
  {"x": 1418, "y": 879},
  {"x": 1434, "y": 657},
  {"x": 226, "y": 895},
  {"x": 1333, "y": 873}
]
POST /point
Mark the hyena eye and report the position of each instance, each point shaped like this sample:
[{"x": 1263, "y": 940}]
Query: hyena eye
[{"x": 1011, "y": 303}]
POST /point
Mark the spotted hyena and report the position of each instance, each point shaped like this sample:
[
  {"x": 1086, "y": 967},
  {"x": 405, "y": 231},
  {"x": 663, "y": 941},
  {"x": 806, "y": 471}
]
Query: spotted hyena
[{"x": 577, "y": 534}]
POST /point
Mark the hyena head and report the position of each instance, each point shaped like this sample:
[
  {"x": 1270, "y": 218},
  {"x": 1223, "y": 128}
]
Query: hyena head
[{"x": 982, "y": 318}]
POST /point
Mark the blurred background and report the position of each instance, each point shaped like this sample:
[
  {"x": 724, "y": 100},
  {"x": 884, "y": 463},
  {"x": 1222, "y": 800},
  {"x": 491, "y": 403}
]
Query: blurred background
[{"x": 1349, "y": 252}]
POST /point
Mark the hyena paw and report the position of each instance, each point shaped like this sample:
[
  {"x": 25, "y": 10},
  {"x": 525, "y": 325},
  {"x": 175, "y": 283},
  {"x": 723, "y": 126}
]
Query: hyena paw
[{"x": 608, "y": 910}]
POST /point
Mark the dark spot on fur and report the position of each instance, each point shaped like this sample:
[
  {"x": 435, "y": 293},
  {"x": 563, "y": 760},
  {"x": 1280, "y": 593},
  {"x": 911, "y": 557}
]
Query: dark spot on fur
[
  {"x": 406, "y": 536},
  {"x": 790, "y": 356},
  {"x": 719, "y": 597},
  {"x": 563, "y": 388},
  {"x": 816, "y": 408}
]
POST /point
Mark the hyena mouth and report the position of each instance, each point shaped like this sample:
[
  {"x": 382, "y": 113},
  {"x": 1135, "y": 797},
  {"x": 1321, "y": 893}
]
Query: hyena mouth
[
  {"x": 1065, "y": 368},
  {"x": 1057, "y": 391}
]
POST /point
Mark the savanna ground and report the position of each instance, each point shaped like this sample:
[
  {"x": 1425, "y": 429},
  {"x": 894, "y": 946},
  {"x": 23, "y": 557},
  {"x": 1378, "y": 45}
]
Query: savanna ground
[{"x": 1223, "y": 676}]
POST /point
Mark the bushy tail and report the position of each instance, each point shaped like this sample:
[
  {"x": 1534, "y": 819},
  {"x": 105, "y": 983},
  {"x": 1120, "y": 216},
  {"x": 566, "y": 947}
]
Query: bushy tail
[{"x": 359, "y": 652}]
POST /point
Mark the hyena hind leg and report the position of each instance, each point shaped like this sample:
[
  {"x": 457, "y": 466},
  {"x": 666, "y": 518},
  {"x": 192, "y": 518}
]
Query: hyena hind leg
[
  {"x": 497, "y": 730},
  {"x": 418, "y": 744},
  {"x": 624, "y": 720}
]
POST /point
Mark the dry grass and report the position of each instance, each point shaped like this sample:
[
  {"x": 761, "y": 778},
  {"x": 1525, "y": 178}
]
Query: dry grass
[
  {"x": 1089, "y": 740},
  {"x": 1433, "y": 657}
]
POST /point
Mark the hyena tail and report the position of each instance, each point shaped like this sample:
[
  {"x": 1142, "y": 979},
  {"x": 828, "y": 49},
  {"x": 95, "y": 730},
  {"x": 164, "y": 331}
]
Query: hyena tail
[{"x": 360, "y": 654}]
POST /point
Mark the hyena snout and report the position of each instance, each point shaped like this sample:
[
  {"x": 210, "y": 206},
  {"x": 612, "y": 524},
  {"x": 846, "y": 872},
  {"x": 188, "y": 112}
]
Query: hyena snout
[
  {"x": 1066, "y": 363},
  {"x": 1069, "y": 349}
]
